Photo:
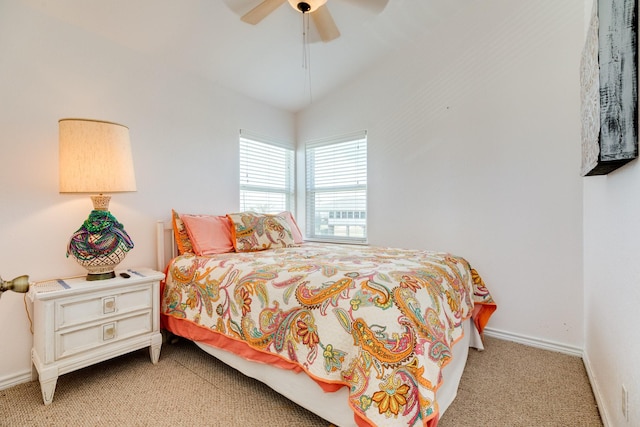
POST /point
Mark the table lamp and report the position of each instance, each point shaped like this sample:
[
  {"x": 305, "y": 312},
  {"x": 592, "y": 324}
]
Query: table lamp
[{"x": 95, "y": 157}]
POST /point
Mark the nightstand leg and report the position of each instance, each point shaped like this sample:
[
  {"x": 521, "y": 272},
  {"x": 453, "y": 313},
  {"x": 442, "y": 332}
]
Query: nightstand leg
[
  {"x": 154, "y": 349},
  {"x": 48, "y": 380}
]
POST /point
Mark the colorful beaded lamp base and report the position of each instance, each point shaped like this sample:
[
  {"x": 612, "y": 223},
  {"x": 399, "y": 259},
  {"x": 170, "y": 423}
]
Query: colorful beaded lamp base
[{"x": 100, "y": 244}]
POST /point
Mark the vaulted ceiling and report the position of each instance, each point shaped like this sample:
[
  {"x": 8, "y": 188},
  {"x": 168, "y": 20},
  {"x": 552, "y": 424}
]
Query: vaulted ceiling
[{"x": 264, "y": 61}]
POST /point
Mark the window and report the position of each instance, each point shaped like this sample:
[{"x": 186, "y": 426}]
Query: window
[
  {"x": 336, "y": 189},
  {"x": 266, "y": 175}
]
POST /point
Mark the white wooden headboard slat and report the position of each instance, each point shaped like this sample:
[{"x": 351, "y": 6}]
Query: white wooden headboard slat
[{"x": 166, "y": 247}]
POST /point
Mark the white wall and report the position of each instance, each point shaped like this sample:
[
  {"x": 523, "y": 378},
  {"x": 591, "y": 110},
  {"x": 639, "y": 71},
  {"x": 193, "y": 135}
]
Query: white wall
[
  {"x": 474, "y": 148},
  {"x": 184, "y": 133},
  {"x": 612, "y": 289}
]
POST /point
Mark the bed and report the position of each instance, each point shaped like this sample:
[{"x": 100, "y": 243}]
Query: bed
[{"x": 358, "y": 335}]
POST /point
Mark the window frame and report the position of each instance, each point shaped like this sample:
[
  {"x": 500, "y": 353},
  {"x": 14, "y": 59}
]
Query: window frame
[
  {"x": 288, "y": 189},
  {"x": 358, "y": 189}
]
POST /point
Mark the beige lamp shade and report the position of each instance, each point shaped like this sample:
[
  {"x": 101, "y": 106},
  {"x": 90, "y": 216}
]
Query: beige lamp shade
[{"x": 95, "y": 157}]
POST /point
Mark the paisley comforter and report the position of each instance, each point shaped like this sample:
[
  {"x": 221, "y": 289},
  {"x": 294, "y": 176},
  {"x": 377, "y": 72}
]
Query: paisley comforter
[{"x": 380, "y": 321}]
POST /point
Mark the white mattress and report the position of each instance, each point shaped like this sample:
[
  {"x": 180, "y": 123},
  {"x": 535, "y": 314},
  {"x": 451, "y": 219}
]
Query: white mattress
[{"x": 333, "y": 407}]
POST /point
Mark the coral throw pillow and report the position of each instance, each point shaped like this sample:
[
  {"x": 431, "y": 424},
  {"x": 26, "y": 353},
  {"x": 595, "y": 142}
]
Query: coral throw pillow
[{"x": 209, "y": 234}]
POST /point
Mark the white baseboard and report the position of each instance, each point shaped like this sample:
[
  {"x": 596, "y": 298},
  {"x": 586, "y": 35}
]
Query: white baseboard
[
  {"x": 9, "y": 381},
  {"x": 604, "y": 414},
  {"x": 534, "y": 342}
]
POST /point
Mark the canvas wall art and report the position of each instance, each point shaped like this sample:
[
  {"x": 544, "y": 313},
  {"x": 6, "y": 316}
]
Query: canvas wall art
[{"x": 610, "y": 88}]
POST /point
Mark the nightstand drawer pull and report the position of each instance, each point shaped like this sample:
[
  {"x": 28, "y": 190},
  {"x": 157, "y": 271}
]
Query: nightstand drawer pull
[
  {"x": 108, "y": 305},
  {"x": 108, "y": 331}
]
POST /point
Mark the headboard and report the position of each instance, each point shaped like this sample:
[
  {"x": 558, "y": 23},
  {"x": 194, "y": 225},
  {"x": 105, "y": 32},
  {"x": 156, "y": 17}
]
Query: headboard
[{"x": 166, "y": 244}]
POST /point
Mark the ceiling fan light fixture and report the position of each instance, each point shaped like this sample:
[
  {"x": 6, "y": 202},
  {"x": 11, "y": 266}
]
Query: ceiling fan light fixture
[{"x": 307, "y": 6}]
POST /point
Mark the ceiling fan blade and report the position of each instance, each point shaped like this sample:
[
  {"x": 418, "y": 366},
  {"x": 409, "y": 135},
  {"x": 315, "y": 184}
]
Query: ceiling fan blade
[
  {"x": 325, "y": 24},
  {"x": 261, "y": 11}
]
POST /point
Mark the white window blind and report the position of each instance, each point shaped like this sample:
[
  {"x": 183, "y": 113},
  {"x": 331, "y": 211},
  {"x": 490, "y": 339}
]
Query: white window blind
[
  {"x": 266, "y": 175},
  {"x": 336, "y": 189}
]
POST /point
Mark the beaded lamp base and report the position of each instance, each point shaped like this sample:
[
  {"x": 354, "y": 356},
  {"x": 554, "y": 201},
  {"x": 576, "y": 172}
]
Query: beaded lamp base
[
  {"x": 102, "y": 266},
  {"x": 100, "y": 245}
]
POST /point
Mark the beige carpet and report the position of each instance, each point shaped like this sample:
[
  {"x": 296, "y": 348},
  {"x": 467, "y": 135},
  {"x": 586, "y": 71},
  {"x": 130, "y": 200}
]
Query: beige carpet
[{"x": 507, "y": 385}]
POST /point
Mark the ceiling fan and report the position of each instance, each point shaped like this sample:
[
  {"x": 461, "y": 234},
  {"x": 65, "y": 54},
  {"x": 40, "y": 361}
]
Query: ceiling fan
[{"x": 317, "y": 9}]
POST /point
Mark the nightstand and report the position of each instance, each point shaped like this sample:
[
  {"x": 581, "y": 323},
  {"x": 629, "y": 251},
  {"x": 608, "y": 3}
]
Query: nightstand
[{"x": 77, "y": 323}]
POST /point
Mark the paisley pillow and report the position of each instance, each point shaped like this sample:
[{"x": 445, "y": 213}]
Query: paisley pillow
[
  {"x": 295, "y": 230},
  {"x": 252, "y": 231},
  {"x": 180, "y": 233}
]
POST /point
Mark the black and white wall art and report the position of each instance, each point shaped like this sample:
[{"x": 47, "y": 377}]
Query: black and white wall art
[{"x": 610, "y": 88}]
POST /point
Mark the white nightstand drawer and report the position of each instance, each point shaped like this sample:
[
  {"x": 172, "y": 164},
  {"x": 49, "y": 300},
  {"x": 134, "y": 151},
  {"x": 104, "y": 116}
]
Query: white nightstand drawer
[
  {"x": 97, "y": 306},
  {"x": 71, "y": 341}
]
